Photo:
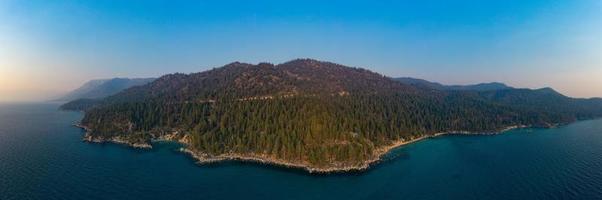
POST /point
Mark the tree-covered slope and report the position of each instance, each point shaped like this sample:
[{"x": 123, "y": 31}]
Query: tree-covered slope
[{"x": 304, "y": 112}]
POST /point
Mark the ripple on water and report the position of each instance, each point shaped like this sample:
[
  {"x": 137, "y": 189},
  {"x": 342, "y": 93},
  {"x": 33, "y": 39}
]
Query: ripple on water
[{"x": 48, "y": 161}]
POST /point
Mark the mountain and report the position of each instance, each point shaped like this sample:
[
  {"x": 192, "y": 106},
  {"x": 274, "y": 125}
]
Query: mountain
[
  {"x": 538, "y": 100},
  {"x": 480, "y": 87},
  {"x": 421, "y": 83},
  {"x": 101, "y": 88},
  {"x": 546, "y": 100},
  {"x": 437, "y": 86},
  {"x": 315, "y": 115}
]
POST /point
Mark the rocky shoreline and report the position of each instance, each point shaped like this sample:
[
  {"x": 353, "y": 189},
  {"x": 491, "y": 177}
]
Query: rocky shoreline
[
  {"x": 118, "y": 140},
  {"x": 206, "y": 159},
  {"x": 203, "y": 158}
]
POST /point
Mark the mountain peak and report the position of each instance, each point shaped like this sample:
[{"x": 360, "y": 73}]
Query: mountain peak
[
  {"x": 308, "y": 62},
  {"x": 242, "y": 80},
  {"x": 237, "y": 64},
  {"x": 304, "y": 61},
  {"x": 549, "y": 90}
]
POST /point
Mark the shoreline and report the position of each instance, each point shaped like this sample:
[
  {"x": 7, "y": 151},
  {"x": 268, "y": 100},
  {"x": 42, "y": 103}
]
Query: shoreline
[
  {"x": 379, "y": 153},
  {"x": 203, "y": 158},
  {"x": 117, "y": 140}
]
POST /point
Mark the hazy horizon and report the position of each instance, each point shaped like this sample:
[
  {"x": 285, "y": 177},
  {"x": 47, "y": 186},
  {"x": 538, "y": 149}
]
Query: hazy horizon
[{"x": 48, "y": 48}]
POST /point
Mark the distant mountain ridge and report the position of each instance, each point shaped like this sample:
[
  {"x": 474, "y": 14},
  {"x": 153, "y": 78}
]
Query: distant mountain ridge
[
  {"x": 100, "y": 88},
  {"x": 434, "y": 85}
]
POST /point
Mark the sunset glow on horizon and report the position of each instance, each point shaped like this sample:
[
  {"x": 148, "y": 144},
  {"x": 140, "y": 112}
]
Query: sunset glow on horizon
[{"x": 48, "y": 48}]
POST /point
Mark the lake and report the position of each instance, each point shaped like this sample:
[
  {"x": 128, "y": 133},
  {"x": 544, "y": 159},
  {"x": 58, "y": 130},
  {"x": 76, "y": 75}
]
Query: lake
[{"x": 42, "y": 156}]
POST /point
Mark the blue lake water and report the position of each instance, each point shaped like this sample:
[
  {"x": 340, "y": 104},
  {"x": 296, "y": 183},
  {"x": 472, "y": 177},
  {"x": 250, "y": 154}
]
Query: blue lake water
[{"x": 42, "y": 157}]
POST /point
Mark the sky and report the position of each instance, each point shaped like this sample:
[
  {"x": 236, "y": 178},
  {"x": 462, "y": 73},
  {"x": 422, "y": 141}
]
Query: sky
[{"x": 50, "y": 47}]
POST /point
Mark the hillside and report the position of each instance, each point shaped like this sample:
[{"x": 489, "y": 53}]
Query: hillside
[
  {"x": 305, "y": 113},
  {"x": 96, "y": 89}
]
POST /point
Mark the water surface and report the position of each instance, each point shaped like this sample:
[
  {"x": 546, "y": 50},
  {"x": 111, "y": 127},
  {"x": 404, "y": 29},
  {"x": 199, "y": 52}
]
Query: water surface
[{"x": 42, "y": 157}]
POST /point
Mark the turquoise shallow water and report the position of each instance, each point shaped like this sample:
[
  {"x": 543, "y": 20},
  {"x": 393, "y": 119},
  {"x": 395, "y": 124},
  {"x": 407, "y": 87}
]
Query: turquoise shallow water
[{"x": 42, "y": 157}]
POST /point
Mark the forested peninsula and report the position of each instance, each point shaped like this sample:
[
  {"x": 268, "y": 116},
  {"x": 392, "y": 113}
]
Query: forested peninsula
[{"x": 315, "y": 115}]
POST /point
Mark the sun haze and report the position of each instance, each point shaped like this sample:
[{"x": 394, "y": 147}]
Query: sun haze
[{"x": 50, "y": 47}]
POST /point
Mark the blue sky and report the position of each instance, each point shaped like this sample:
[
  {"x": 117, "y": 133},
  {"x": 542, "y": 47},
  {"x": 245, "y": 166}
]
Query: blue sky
[{"x": 49, "y": 47}]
